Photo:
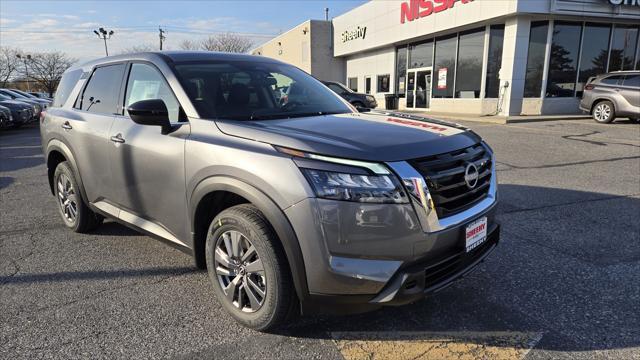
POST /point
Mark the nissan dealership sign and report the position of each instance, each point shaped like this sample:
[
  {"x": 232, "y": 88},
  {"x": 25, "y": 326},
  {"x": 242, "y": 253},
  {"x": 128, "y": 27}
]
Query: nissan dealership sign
[
  {"x": 415, "y": 9},
  {"x": 624, "y": 2}
]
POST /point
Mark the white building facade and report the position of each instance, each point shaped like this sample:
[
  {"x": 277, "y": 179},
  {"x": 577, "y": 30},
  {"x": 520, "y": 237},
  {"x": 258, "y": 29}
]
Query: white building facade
[{"x": 485, "y": 57}]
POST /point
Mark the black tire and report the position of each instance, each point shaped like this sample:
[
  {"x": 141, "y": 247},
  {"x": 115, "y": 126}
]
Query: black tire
[
  {"x": 280, "y": 301},
  {"x": 604, "y": 112},
  {"x": 84, "y": 220}
]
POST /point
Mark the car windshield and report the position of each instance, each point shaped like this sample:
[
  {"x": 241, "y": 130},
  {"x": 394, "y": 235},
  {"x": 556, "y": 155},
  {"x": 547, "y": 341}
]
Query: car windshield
[
  {"x": 24, "y": 94},
  {"x": 253, "y": 90},
  {"x": 3, "y": 97},
  {"x": 14, "y": 94}
]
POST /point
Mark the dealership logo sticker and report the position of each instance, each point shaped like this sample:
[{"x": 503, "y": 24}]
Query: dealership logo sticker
[
  {"x": 416, "y": 9},
  {"x": 442, "y": 78},
  {"x": 358, "y": 33}
]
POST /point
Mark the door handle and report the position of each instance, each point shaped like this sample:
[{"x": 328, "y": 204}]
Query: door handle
[
  {"x": 117, "y": 139},
  {"x": 67, "y": 126}
]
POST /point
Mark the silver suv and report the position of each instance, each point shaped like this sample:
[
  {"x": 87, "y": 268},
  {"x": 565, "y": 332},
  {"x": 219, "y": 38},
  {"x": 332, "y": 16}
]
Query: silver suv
[
  {"x": 293, "y": 205},
  {"x": 612, "y": 95}
]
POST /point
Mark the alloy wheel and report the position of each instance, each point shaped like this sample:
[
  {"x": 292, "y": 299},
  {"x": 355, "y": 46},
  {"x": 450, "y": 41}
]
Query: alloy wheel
[
  {"x": 67, "y": 198},
  {"x": 602, "y": 112},
  {"x": 240, "y": 271}
]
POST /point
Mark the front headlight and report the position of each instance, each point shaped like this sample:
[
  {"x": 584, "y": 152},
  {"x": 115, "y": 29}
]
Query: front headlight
[
  {"x": 348, "y": 180},
  {"x": 370, "y": 98}
]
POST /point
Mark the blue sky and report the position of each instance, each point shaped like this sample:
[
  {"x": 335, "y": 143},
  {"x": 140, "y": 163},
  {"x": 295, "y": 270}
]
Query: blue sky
[{"x": 68, "y": 25}]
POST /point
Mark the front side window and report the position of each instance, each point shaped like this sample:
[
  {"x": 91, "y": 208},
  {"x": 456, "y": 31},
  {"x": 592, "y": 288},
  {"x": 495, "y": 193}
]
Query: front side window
[
  {"x": 146, "y": 83},
  {"x": 383, "y": 83},
  {"x": 535, "y": 58},
  {"x": 469, "y": 67},
  {"x": 253, "y": 90},
  {"x": 100, "y": 96},
  {"x": 563, "y": 60}
]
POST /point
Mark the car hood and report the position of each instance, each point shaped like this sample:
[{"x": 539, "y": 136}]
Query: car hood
[{"x": 361, "y": 136}]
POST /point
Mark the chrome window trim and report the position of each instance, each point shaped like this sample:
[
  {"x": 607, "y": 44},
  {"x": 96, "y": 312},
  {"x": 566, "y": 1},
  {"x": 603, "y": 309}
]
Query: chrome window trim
[{"x": 427, "y": 214}]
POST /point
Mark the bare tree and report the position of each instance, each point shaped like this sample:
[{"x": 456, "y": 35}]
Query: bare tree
[
  {"x": 9, "y": 64},
  {"x": 139, "y": 49},
  {"x": 227, "y": 42},
  {"x": 189, "y": 45},
  {"x": 47, "y": 68}
]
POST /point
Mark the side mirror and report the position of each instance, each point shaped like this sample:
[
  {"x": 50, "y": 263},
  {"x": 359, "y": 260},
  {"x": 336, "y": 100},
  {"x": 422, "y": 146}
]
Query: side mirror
[{"x": 151, "y": 112}]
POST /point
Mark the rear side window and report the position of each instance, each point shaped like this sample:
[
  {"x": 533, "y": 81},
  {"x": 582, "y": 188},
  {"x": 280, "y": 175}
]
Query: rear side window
[
  {"x": 632, "y": 80},
  {"x": 101, "y": 94},
  {"x": 611, "y": 80}
]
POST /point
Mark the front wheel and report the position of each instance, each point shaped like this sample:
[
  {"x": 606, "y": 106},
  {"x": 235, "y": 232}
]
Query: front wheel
[
  {"x": 604, "y": 112},
  {"x": 248, "y": 269}
]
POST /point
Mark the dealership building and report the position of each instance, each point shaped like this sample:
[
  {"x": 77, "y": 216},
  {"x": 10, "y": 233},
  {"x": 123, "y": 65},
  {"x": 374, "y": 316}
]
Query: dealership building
[{"x": 482, "y": 57}]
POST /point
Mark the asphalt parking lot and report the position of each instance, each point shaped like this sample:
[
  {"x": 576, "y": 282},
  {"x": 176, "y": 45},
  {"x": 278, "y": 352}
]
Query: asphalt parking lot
[{"x": 564, "y": 282}]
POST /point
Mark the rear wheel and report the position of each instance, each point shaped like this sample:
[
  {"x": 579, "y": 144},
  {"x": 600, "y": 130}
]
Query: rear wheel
[
  {"x": 248, "y": 268},
  {"x": 604, "y": 112},
  {"x": 75, "y": 213}
]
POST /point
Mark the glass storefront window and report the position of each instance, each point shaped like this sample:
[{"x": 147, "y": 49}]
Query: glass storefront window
[
  {"x": 383, "y": 83},
  {"x": 420, "y": 55},
  {"x": 496, "y": 39},
  {"x": 353, "y": 84},
  {"x": 535, "y": 58},
  {"x": 401, "y": 70},
  {"x": 444, "y": 67},
  {"x": 593, "y": 57},
  {"x": 563, "y": 61},
  {"x": 623, "y": 47},
  {"x": 469, "y": 66}
]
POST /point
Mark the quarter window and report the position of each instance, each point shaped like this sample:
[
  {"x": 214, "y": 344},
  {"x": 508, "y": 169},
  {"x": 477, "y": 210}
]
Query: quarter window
[
  {"x": 67, "y": 83},
  {"x": 146, "y": 83},
  {"x": 611, "y": 80},
  {"x": 101, "y": 94}
]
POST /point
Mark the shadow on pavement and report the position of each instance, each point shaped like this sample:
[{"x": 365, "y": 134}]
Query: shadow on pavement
[
  {"x": 5, "y": 181},
  {"x": 94, "y": 275}
]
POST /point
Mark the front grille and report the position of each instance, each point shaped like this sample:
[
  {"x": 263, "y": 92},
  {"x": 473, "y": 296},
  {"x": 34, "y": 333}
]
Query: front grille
[{"x": 445, "y": 173}]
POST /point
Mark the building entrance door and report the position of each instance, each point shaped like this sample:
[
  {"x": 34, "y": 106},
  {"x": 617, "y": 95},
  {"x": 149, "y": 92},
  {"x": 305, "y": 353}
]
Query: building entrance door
[{"x": 418, "y": 88}]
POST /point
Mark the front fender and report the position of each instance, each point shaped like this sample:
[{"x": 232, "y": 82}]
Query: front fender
[{"x": 271, "y": 211}]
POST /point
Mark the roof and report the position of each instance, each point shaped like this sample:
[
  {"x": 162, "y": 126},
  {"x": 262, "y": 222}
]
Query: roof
[{"x": 175, "y": 57}]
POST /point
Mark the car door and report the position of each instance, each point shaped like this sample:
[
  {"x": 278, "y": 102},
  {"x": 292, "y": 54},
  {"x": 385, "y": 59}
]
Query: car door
[
  {"x": 630, "y": 89},
  {"x": 86, "y": 130},
  {"x": 148, "y": 166}
]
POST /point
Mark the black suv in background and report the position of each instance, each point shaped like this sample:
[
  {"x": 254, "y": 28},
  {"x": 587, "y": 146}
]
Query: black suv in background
[{"x": 356, "y": 99}]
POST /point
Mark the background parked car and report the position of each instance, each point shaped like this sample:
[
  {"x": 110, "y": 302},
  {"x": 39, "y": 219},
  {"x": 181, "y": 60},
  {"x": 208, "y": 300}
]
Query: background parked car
[
  {"x": 41, "y": 95},
  {"x": 35, "y": 105},
  {"x": 44, "y": 102},
  {"x": 612, "y": 95},
  {"x": 6, "y": 119},
  {"x": 21, "y": 112},
  {"x": 356, "y": 99}
]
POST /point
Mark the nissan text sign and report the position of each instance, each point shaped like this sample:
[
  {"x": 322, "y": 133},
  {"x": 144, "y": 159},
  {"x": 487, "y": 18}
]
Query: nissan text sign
[{"x": 415, "y": 9}]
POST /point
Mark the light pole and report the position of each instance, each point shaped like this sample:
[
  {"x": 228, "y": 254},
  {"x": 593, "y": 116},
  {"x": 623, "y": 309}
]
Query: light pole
[
  {"x": 104, "y": 35},
  {"x": 26, "y": 69}
]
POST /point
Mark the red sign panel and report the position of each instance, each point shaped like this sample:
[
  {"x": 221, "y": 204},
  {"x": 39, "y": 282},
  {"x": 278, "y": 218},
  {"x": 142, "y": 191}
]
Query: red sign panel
[{"x": 415, "y": 9}]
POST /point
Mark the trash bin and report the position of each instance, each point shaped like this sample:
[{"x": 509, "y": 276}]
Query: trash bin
[{"x": 391, "y": 101}]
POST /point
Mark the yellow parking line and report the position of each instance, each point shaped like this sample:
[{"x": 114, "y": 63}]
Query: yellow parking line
[{"x": 435, "y": 345}]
